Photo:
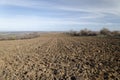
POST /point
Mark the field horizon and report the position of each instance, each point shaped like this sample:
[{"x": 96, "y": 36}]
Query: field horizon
[{"x": 57, "y": 56}]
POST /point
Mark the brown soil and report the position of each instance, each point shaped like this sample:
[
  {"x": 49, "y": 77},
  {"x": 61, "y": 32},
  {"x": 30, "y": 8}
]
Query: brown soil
[{"x": 60, "y": 57}]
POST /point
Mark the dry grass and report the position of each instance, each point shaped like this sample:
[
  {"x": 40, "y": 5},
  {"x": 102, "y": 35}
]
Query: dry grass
[
  {"x": 18, "y": 35},
  {"x": 60, "y": 57}
]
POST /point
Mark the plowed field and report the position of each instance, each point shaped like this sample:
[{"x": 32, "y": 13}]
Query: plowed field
[{"x": 60, "y": 57}]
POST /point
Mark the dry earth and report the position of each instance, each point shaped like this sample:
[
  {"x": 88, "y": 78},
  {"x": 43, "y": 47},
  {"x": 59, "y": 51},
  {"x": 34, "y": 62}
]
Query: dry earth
[{"x": 60, "y": 57}]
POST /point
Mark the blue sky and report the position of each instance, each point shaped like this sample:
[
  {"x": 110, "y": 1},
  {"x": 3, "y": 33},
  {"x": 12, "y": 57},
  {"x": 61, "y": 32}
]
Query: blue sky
[{"x": 59, "y": 15}]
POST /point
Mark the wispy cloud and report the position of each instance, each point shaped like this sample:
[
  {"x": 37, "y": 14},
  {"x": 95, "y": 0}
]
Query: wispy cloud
[
  {"x": 42, "y": 21},
  {"x": 59, "y": 13},
  {"x": 93, "y": 6}
]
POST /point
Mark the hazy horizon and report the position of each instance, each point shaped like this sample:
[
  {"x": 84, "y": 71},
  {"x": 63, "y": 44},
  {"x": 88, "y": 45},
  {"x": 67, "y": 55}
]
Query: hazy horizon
[{"x": 60, "y": 15}]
